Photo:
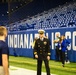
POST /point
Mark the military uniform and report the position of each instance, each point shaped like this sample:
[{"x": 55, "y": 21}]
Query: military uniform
[{"x": 42, "y": 49}]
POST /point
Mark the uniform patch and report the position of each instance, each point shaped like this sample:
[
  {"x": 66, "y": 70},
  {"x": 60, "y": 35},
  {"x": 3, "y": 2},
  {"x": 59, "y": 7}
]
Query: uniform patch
[{"x": 45, "y": 43}]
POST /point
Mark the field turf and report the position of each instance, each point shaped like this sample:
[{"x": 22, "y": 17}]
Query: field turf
[{"x": 55, "y": 67}]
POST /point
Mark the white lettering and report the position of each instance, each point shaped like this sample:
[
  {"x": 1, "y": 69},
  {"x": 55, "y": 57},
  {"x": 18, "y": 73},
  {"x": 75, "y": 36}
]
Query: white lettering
[
  {"x": 68, "y": 34},
  {"x": 11, "y": 41},
  {"x": 74, "y": 41},
  {"x": 18, "y": 40},
  {"x": 31, "y": 40},
  {"x": 15, "y": 41},
  {"x": 52, "y": 36},
  {"x": 21, "y": 41},
  {"x": 26, "y": 40},
  {"x": 47, "y": 35}
]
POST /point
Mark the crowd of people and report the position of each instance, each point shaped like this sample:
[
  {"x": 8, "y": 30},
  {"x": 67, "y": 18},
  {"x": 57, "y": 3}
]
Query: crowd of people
[
  {"x": 41, "y": 48},
  {"x": 61, "y": 47}
]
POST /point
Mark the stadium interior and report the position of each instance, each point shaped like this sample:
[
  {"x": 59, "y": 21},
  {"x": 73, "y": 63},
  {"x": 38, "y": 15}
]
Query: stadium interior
[{"x": 23, "y": 19}]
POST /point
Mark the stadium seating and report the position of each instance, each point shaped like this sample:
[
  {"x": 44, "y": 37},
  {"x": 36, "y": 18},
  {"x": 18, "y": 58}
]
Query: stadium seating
[{"x": 62, "y": 16}]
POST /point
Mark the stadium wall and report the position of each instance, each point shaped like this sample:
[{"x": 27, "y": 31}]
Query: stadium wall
[{"x": 21, "y": 41}]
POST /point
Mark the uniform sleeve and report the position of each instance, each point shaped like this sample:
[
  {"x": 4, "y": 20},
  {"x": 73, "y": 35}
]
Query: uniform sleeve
[
  {"x": 35, "y": 48},
  {"x": 48, "y": 44},
  {"x": 5, "y": 49},
  {"x": 63, "y": 43}
]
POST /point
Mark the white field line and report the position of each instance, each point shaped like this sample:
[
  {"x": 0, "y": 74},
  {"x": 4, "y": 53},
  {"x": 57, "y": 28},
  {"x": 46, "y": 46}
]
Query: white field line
[{"x": 21, "y": 71}]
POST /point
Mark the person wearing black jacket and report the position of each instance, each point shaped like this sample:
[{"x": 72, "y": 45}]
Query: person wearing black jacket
[{"x": 42, "y": 52}]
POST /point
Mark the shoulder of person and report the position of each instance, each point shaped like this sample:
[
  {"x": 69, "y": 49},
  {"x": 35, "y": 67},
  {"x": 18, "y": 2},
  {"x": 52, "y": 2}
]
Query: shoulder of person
[
  {"x": 64, "y": 40},
  {"x": 4, "y": 44},
  {"x": 46, "y": 39}
]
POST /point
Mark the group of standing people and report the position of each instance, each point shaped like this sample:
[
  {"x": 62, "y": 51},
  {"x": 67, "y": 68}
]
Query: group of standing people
[
  {"x": 61, "y": 45},
  {"x": 41, "y": 51}
]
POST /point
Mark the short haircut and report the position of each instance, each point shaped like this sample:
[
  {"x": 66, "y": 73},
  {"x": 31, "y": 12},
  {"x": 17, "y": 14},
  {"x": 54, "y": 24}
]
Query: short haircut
[{"x": 3, "y": 31}]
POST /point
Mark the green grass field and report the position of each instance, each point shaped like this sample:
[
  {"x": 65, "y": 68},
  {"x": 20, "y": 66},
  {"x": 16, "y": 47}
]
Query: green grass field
[{"x": 55, "y": 67}]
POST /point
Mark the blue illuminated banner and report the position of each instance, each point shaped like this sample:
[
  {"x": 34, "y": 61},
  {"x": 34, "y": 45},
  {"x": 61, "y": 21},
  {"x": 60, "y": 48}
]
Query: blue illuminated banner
[{"x": 22, "y": 41}]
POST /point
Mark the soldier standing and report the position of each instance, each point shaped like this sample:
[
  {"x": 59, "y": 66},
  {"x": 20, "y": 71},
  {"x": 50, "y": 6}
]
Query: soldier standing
[{"x": 42, "y": 52}]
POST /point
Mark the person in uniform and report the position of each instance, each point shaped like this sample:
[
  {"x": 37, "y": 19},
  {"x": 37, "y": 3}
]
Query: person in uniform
[
  {"x": 4, "y": 52},
  {"x": 42, "y": 52}
]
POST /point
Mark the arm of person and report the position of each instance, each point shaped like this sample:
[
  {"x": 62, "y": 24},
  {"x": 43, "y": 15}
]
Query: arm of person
[
  {"x": 56, "y": 41},
  {"x": 5, "y": 63},
  {"x": 35, "y": 50},
  {"x": 49, "y": 53}
]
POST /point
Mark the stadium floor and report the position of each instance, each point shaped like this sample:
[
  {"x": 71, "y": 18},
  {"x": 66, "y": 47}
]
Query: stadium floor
[{"x": 21, "y": 71}]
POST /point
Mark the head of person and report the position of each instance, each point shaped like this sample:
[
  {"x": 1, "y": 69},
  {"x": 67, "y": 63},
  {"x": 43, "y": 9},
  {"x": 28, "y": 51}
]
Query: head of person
[
  {"x": 3, "y": 32},
  {"x": 57, "y": 35},
  {"x": 41, "y": 33},
  {"x": 61, "y": 38}
]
